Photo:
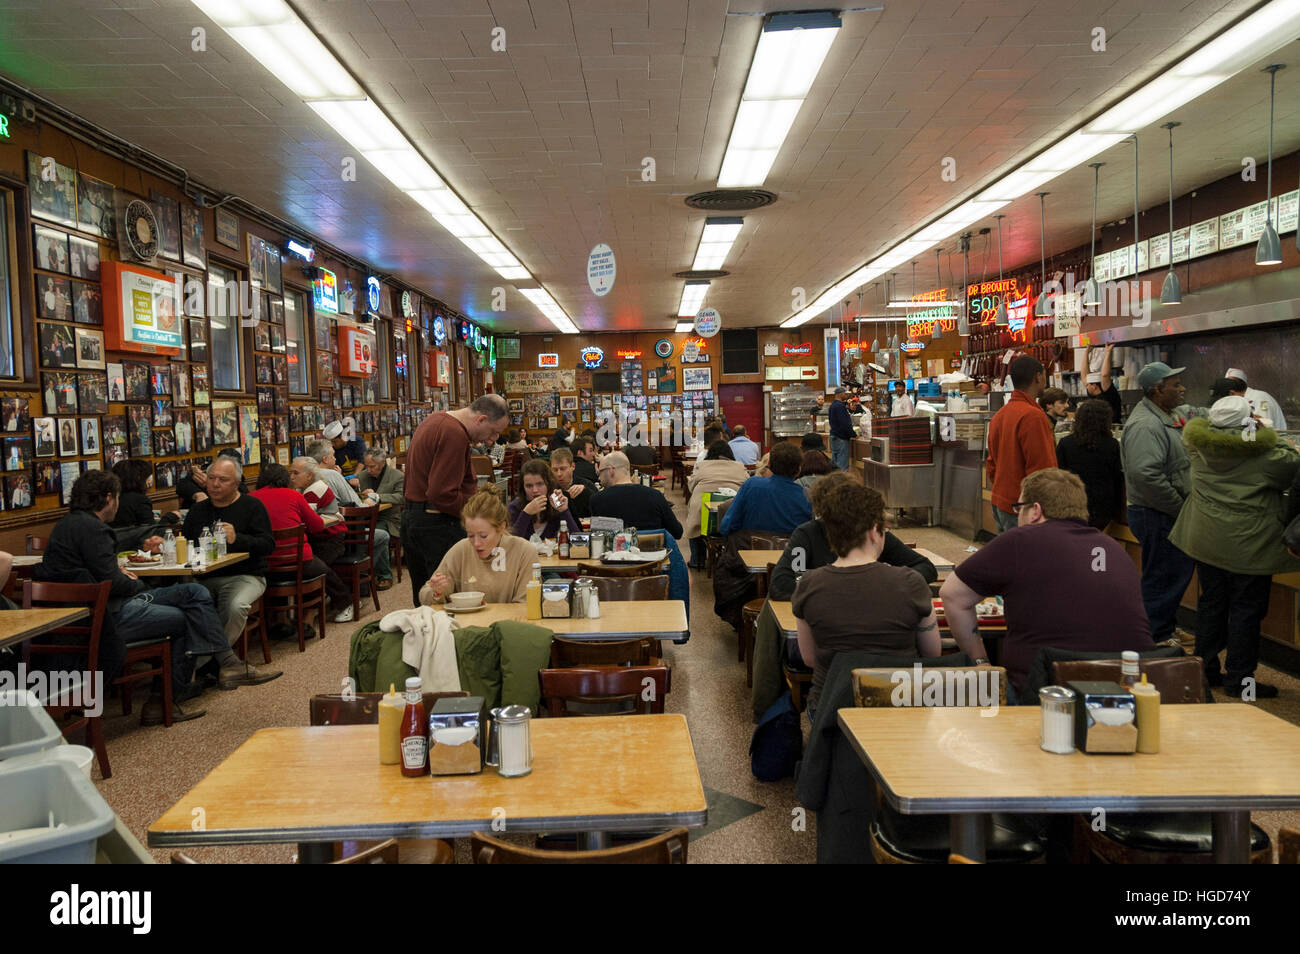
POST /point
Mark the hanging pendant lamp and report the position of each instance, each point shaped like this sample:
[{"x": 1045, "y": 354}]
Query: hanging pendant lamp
[
  {"x": 963, "y": 315},
  {"x": 875, "y": 339},
  {"x": 938, "y": 284},
  {"x": 1171, "y": 292},
  {"x": 1000, "y": 316},
  {"x": 1091, "y": 290},
  {"x": 1137, "y": 264},
  {"x": 1043, "y": 308},
  {"x": 1269, "y": 249}
]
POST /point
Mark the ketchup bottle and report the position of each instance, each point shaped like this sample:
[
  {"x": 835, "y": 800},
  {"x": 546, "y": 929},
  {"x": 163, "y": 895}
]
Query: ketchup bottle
[{"x": 415, "y": 732}]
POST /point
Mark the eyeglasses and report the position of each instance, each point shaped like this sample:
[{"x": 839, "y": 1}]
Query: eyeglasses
[{"x": 1020, "y": 505}]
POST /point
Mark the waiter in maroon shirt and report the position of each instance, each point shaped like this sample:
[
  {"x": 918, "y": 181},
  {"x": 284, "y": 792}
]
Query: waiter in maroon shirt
[{"x": 439, "y": 479}]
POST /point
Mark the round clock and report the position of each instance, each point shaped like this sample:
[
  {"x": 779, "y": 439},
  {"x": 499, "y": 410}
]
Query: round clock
[{"x": 664, "y": 348}]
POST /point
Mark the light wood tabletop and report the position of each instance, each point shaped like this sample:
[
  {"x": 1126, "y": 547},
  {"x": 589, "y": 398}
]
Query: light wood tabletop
[
  {"x": 623, "y": 619},
  {"x": 28, "y": 559},
  {"x": 22, "y": 624},
  {"x": 939, "y": 562},
  {"x": 930, "y": 760},
  {"x": 325, "y": 784},
  {"x": 756, "y": 561},
  {"x": 155, "y": 570}
]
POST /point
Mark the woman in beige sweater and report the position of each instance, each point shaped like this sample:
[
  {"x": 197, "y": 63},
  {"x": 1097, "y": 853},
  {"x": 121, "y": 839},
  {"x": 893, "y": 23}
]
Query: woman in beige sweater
[
  {"x": 719, "y": 470},
  {"x": 489, "y": 559}
]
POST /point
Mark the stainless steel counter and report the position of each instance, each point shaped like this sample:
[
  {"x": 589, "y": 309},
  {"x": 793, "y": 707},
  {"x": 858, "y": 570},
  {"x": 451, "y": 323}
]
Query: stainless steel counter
[{"x": 910, "y": 486}]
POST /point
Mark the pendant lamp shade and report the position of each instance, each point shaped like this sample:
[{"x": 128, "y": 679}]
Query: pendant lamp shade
[
  {"x": 963, "y": 317},
  {"x": 1091, "y": 291},
  {"x": 1043, "y": 307},
  {"x": 1269, "y": 249},
  {"x": 1171, "y": 292}
]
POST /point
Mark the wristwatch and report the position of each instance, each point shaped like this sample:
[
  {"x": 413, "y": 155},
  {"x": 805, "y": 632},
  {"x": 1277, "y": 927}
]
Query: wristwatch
[{"x": 982, "y": 661}]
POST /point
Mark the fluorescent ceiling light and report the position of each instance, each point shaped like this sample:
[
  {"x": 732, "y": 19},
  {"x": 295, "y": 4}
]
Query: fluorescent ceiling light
[
  {"x": 514, "y": 273},
  {"x": 715, "y": 242},
  {"x": 404, "y": 168},
  {"x": 684, "y": 327},
  {"x": 692, "y": 298},
  {"x": 547, "y": 306},
  {"x": 360, "y": 122},
  {"x": 790, "y": 52}
]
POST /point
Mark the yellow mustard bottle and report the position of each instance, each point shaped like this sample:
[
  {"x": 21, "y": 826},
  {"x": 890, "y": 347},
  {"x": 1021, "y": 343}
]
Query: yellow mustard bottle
[
  {"x": 1146, "y": 698},
  {"x": 391, "y": 707}
]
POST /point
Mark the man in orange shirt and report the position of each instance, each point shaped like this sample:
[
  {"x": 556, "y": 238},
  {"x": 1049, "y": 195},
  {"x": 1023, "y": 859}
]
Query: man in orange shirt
[{"x": 1020, "y": 439}]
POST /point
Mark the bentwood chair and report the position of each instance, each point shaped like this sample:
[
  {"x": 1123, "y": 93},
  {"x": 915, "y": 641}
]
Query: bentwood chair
[
  {"x": 925, "y": 839},
  {"x": 1153, "y": 838},
  {"x": 85, "y": 636},
  {"x": 362, "y": 708},
  {"x": 357, "y": 565},
  {"x": 618, "y": 571},
  {"x": 666, "y": 849},
  {"x": 287, "y": 592},
  {"x": 624, "y": 589},
  {"x": 608, "y": 686},
  {"x": 585, "y": 653}
]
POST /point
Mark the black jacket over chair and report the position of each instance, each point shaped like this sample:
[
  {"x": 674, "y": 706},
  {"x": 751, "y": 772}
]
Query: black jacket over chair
[{"x": 832, "y": 780}]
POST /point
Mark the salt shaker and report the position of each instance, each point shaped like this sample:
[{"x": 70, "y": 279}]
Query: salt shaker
[
  {"x": 515, "y": 746},
  {"x": 1057, "y": 704}
]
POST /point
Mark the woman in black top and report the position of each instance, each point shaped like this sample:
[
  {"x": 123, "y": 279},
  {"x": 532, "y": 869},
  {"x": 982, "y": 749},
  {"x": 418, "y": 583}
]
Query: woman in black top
[
  {"x": 134, "y": 508},
  {"x": 1092, "y": 453}
]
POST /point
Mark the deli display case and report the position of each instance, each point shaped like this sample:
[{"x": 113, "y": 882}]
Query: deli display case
[{"x": 789, "y": 409}]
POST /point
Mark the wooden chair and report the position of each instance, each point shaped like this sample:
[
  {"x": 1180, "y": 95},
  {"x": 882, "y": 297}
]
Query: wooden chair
[
  {"x": 35, "y": 544},
  {"x": 94, "y": 596},
  {"x": 382, "y": 853},
  {"x": 1159, "y": 838},
  {"x": 607, "y": 685},
  {"x": 768, "y": 541},
  {"x": 362, "y": 708},
  {"x": 650, "y": 541},
  {"x": 924, "y": 839},
  {"x": 666, "y": 849},
  {"x": 623, "y": 589},
  {"x": 481, "y": 464},
  {"x": 395, "y": 555},
  {"x": 357, "y": 565},
  {"x": 585, "y": 653},
  {"x": 293, "y": 595},
  {"x": 1288, "y": 846},
  {"x": 255, "y": 625},
  {"x": 615, "y": 571},
  {"x": 715, "y": 542},
  {"x": 677, "y": 471}
]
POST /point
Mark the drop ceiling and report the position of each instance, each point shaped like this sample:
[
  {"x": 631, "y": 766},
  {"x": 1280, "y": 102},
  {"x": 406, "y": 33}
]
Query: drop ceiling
[{"x": 546, "y": 140}]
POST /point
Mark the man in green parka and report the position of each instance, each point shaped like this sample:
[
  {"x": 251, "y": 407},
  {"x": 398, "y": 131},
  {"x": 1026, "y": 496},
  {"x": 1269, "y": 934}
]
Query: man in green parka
[{"x": 1231, "y": 525}]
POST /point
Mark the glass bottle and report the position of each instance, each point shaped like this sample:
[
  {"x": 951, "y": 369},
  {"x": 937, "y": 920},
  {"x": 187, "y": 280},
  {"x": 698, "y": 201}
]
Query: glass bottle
[
  {"x": 415, "y": 732},
  {"x": 1130, "y": 671}
]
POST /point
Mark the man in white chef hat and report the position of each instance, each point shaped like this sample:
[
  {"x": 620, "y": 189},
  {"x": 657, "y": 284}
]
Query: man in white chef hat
[
  {"x": 1261, "y": 402},
  {"x": 349, "y": 453}
]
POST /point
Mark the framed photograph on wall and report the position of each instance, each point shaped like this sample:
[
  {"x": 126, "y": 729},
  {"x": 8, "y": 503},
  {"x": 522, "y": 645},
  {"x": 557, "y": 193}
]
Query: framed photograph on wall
[
  {"x": 168, "y": 211},
  {"x": 227, "y": 228},
  {"x": 140, "y": 430},
  {"x": 95, "y": 210},
  {"x": 53, "y": 298},
  {"x": 192, "y": 236},
  {"x": 67, "y": 437},
  {"x": 90, "y": 349},
  {"x": 51, "y": 247},
  {"x": 90, "y": 435},
  {"x": 256, "y": 261},
  {"x": 58, "y": 348},
  {"x": 52, "y": 189},
  {"x": 83, "y": 258},
  {"x": 697, "y": 379},
  {"x": 87, "y": 303}
]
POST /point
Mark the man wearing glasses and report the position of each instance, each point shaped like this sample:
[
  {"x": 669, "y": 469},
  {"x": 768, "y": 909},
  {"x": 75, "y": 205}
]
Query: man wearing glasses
[{"x": 1065, "y": 584}]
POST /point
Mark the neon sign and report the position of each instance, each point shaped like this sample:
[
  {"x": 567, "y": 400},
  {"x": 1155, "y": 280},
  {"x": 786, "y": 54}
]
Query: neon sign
[
  {"x": 593, "y": 357},
  {"x": 325, "y": 291},
  {"x": 921, "y": 325},
  {"x": 372, "y": 293},
  {"x": 548, "y": 360},
  {"x": 983, "y": 298},
  {"x": 912, "y": 347},
  {"x": 797, "y": 351},
  {"x": 293, "y": 246},
  {"x": 629, "y": 354},
  {"x": 439, "y": 329},
  {"x": 4, "y": 125}
]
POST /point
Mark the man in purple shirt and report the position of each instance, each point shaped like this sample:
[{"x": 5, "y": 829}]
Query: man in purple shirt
[{"x": 1065, "y": 584}]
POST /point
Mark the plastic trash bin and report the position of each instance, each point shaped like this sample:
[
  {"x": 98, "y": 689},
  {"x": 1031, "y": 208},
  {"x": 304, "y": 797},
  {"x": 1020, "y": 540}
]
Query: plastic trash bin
[
  {"x": 28, "y": 796},
  {"x": 25, "y": 726}
]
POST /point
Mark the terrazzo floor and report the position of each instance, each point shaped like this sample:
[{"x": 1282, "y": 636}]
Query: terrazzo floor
[{"x": 750, "y": 821}]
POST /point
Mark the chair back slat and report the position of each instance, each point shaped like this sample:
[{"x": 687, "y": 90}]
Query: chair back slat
[
  {"x": 604, "y": 684},
  {"x": 581, "y": 653},
  {"x": 93, "y": 596},
  {"x": 359, "y": 532},
  {"x": 360, "y": 708},
  {"x": 617, "y": 571},
  {"x": 35, "y": 544},
  {"x": 666, "y": 849},
  {"x": 287, "y": 555},
  {"x": 1179, "y": 680},
  {"x": 481, "y": 465},
  {"x": 624, "y": 589}
]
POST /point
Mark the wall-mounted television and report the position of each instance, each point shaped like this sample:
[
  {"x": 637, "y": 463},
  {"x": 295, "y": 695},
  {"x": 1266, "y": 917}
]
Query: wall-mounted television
[{"x": 607, "y": 382}]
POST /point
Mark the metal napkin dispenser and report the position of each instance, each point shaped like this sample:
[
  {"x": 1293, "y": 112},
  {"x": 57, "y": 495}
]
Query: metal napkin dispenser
[
  {"x": 580, "y": 546},
  {"x": 1105, "y": 718},
  {"x": 457, "y": 736},
  {"x": 556, "y": 603}
]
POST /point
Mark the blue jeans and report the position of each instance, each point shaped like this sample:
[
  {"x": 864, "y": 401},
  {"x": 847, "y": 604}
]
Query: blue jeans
[
  {"x": 382, "y": 570},
  {"x": 1004, "y": 521},
  {"x": 183, "y": 611},
  {"x": 840, "y": 452},
  {"x": 1166, "y": 570}
]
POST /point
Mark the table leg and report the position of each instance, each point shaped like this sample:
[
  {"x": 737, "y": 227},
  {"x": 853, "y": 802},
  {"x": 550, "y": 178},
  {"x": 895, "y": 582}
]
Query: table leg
[
  {"x": 593, "y": 840},
  {"x": 315, "y": 852},
  {"x": 967, "y": 835},
  {"x": 1231, "y": 838}
]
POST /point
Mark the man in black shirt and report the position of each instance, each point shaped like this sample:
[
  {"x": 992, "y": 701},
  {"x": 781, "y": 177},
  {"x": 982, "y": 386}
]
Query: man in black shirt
[
  {"x": 580, "y": 491},
  {"x": 584, "y": 454},
  {"x": 82, "y": 544},
  {"x": 246, "y": 525},
  {"x": 642, "y": 507},
  {"x": 1100, "y": 386}
]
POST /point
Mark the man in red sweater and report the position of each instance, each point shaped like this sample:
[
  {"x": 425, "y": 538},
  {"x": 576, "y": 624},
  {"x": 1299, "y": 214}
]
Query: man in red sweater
[
  {"x": 1020, "y": 439},
  {"x": 440, "y": 478}
]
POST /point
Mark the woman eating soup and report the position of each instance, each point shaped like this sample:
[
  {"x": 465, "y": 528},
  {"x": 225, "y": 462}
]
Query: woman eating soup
[
  {"x": 489, "y": 560},
  {"x": 541, "y": 506}
]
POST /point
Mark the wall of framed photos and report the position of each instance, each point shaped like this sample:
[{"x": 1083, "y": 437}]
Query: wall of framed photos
[{"x": 89, "y": 390}]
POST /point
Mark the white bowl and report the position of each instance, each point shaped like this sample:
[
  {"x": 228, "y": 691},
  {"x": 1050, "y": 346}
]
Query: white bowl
[{"x": 466, "y": 599}]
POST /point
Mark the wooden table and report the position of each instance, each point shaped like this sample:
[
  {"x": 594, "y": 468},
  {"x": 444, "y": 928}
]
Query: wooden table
[
  {"x": 319, "y": 785},
  {"x": 1225, "y": 759},
  {"x": 939, "y": 562},
  {"x": 19, "y": 625},
  {"x": 756, "y": 561},
  {"x": 623, "y": 619},
  {"x": 157, "y": 569}
]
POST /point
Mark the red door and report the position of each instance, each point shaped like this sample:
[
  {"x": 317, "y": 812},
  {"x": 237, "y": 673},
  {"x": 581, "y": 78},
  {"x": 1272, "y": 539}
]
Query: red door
[{"x": 743, "y": 404}]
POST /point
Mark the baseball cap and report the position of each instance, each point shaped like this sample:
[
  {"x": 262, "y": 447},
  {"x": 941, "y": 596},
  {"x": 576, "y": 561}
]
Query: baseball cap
[
  {"x": 332, "y": 430},
  {"x": 1237, "y": 373},
  {"x": 1155, "y": 372}
]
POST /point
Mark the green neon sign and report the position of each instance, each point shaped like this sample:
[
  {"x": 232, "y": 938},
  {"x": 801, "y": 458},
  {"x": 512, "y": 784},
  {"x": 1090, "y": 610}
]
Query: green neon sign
[{"x": 4, "y": 125}]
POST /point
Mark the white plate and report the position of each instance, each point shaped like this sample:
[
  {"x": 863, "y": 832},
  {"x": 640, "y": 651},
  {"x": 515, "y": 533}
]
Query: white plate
[{"x": 465, "y": 609}]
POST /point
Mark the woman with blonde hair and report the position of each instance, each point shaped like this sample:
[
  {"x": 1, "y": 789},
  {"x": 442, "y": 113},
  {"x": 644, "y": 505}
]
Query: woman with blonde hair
[{"x": 490, "y": 559}]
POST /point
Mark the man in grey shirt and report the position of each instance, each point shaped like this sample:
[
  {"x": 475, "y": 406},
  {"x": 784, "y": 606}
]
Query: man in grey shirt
[{"x": 322, "y": 452}]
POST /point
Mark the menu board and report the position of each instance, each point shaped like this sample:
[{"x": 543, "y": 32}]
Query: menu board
[
  {"x": 1204, "y": 240},
  {"x": 1243, "y": 226},
  {"x": 1101, "y": 267},
  {"x": 1121, "y": 261},
  {"x": 1286, "y": 211}
]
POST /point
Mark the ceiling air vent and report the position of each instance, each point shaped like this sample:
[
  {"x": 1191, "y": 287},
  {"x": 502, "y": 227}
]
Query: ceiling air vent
[{"x": 730, "y": 200}]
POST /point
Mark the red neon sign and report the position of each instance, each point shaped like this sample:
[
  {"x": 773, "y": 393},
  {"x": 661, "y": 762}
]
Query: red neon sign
[{"x": 629, "y": 353}]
